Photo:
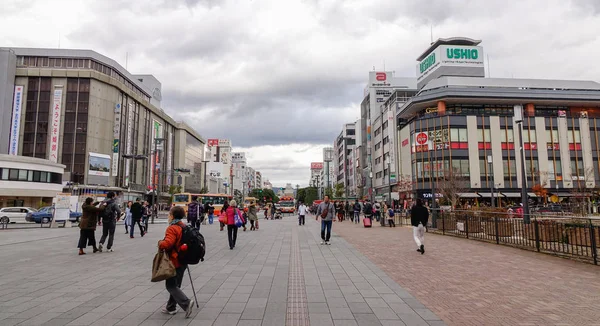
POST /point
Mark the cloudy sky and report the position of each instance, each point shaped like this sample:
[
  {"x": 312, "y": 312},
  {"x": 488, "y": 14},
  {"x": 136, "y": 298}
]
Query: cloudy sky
[{"x": 280, "y": 78}]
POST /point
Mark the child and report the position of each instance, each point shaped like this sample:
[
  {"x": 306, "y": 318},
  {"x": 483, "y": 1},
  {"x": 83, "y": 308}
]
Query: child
[{"x": 391, "y": 217}]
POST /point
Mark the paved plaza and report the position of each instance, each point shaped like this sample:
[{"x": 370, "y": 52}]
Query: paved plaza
[{"x": 278, "y": 275}]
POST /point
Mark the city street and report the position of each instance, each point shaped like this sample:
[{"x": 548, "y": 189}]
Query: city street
[{"x": 278, "y": 275}]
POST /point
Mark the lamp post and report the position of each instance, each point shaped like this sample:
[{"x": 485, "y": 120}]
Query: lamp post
[
  {"x": 518, "y": 110},
  {"x": 490, "y": 160}
]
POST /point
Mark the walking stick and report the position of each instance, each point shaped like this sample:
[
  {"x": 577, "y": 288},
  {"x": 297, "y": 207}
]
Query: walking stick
[{"x": 192, "y": 283}]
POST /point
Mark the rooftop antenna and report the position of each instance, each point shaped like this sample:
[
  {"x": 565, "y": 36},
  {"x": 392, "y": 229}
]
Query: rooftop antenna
[
  {"x": 373, "y": 68},
  {"x": 431, "y": 35}
]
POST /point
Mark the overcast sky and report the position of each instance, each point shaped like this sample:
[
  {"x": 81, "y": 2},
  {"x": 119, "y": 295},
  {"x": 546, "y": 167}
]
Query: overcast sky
[{"x": 280, "y": 78}]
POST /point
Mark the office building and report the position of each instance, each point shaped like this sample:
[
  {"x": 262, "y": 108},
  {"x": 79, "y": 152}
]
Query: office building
[{"x": 344, "y": 146}]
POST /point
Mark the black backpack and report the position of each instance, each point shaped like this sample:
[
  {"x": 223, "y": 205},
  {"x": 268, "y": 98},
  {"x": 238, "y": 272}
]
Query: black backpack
[{"x": 195, "y": 243}]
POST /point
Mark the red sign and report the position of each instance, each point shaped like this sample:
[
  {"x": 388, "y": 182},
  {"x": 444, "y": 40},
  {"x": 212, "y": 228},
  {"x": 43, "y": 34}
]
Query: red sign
[
  {"x": 213, "y": 142},
  {"x": 405, "y": 142},
  {"x": 422, "y": 138},
  {"x": 381, "y": 76},
  {"x": 316, "y": 166}
]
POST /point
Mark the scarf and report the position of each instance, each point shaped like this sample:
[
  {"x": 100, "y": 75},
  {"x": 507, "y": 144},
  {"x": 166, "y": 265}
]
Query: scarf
[{"x": 175, "y": 221}]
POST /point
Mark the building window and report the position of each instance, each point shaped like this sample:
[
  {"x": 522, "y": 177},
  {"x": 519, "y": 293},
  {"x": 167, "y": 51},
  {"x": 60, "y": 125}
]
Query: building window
[
  {"x": 386, "y": 140},
  {"x": 577, "y": 170},
  {"x": 378, "y": 175},
  {"x": 461, "y": 167},
  {"x": 552, "y": 139},
  {"x": 510, "y": 169},
  {"x": 532, "y": 167},
  {"x": 484, "y": 139},
  {"x": 378, "y": 146},
  {"x": 507, "y": 139},
  {"x": 384, "y": 125},
  {"x": 458, "y": 138},
  {"x": 529, "y": 139},
  {"x": 574, "y": 137}
]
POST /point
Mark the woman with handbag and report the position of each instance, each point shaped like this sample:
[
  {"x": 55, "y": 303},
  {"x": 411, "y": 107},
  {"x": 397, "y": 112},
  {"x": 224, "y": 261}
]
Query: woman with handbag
[
  {"x": 234, "y": 220},
  {"x": 171, "y": 244},
  {"x": 222, "y": 218}
]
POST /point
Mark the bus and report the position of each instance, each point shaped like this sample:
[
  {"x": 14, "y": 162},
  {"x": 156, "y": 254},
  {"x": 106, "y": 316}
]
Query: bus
[
  {"x": 183, "y": 199},
  {"x": 247, "y": 201},
  {"x": 287, "y": 204}
]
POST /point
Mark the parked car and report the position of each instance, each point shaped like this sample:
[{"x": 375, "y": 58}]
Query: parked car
[
  {"x": 15, "y": 214},
  {"x": 45, "y": 215}
]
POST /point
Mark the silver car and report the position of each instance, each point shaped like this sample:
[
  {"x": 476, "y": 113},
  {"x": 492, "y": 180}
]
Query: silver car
[{"x": 15, "y": 214}]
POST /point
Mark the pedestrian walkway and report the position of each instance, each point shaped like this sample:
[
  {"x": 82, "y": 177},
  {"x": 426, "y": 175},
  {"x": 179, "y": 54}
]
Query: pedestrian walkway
[
  {"x": 468, "y": 282},
  {"x": 278, "y": 275}
]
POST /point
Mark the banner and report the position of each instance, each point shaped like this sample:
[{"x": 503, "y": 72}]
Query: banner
[
  {"x": 169, "y": 157},
  {"x": 224, "y": 143},
  {"x": 129, "y": 145},
  {"x": 116, "y": 139},
  {"x": 16, "y": 121},
  {"x": 55, "y": 129},
  {"x": 99, "y": 164},
  {"x": 157, "y": 132},
  {"x": 213, "y": 142},
  {"x": 238, "y": 157},
  {"x": 316, "y": 166},
  {"x": 392, "y": 140}
]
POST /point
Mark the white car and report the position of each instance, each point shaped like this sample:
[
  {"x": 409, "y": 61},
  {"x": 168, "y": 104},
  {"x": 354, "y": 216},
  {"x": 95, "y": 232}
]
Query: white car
[{"x": 15, "y": 214}]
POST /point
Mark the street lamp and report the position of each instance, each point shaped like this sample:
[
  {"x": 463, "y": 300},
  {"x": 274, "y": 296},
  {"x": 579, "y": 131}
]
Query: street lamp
[
  {"x": 489, "y": 160},
  {"x": 518, "y": 111}
]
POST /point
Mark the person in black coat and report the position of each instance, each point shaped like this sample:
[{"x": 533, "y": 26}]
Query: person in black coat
[
  {"x": 137, "y": 211},
  {"x": 419, "y": 216}
]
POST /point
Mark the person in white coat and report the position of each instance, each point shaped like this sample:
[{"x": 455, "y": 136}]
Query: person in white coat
[
  {"x": 302, "y": 212},
  {"x": 127, "y": 220}
]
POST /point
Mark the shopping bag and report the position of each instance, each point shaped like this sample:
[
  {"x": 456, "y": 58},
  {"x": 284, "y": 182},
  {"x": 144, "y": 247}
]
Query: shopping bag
[
  {"x": 237, "y": 220},
  {"x": 162, "y": 267},
  {"x": 256, "y": 224},
  {"x": 223, "y": 219}
]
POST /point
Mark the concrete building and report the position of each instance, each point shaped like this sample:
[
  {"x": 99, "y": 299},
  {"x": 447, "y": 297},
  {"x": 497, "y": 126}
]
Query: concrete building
[
  {"x": 259, "y": 182},
  {"x": 251, "y": 177},
  {"x": 344, "y": 146},
  {"x": 240, "y": 175},
  {"x": 84, "y": 110},
  {"x": 267, "y": 185},
  {"x": 189, "y": 149},
  {"x": 374, "y": 123},
  {"x": 29, "y": 181},
  {"x": 459, "y": 120}
]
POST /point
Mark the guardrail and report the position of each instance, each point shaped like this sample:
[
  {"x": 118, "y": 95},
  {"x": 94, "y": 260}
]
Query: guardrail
[{"x": 571, "y": 236}]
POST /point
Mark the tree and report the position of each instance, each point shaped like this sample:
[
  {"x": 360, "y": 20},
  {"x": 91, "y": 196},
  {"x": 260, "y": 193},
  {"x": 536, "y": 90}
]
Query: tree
[
  {"x": 301, "y": 195},
  {"x": 311, "y": 194},
  {"x": 329, "y": 192},
  {"x": 173, "y": 189},
  {"x": 583, "y": 190},
  {"x": 264, "y": 194},
  {"x": 451, "y": 184},
  {"x": 339, "y": 191}
]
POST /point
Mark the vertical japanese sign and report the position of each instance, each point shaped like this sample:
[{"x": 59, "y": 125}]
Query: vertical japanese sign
[
  {"x": 16, "y": 121},
  {"x": 55, "y": 128},
  {"x": 116, "y": 139},
  {"x": 156, "y": 133},
  {"x": 392, "y": 144},
  {"x": 129, "y": 145},
  {"x": 169, "y": 156}
]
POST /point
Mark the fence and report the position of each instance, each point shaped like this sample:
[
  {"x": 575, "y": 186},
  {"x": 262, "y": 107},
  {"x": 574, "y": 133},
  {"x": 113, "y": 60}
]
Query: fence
[{"x": 567, "y": 236}]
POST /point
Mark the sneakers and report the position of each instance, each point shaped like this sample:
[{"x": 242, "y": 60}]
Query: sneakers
[
  {"x": 110, "y": 250},
  {"x": 168, "y": 312},
  {"x": 96, "y": 250},
  {"x": 188, "y": 312},
  {"x": 328, "y": 243},
  {"x": 100, "y": 247},
  {"x": 422, "y": 249},
  {"x": 323, "y": 242}
]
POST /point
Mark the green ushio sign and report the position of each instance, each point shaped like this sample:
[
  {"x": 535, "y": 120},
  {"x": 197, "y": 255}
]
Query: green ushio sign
[
  {"x": 462, "y": 53},
  {"x": 427, "y": 62}
]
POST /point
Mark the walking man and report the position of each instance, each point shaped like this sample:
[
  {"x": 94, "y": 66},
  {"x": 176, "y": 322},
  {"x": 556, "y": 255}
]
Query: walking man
[
  {"x": 302, "y": 212},
  {"x": 194, "y": 213},
  {"x": 326, "y": 211},
  {"x": 419, "y": 216},
  {"x": 356, "y": 209},
  {"x": 137, "y": 210},
  {"x": 109, "y": 216}
]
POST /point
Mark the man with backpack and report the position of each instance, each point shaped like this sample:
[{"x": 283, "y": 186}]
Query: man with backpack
[
  {"x": 109, "y": 216},
  {"x": 195, "y": 214},
  {"x": 137, "y": 211},
  {"x": 177, "y": 243},
  {"x": 391, "y": 214}
]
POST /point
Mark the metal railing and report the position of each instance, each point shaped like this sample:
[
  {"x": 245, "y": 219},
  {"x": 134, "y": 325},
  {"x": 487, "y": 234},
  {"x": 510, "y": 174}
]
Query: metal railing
[{"x": 572, "y": 237}]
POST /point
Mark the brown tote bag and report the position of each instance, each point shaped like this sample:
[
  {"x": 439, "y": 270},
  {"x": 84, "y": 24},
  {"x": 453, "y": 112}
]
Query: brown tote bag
[{"x": 162, "y": 267}]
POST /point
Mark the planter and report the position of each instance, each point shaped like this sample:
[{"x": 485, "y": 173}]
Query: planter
[
  {"x": 581, "y": 236},
  {"x": 550, "y": 232},
  {"x": 505, "y": 228}
]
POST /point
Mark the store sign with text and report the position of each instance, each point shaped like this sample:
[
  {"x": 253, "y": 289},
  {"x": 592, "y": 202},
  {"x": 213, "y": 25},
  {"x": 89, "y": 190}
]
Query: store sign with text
[{"x": 55, "y": 128}]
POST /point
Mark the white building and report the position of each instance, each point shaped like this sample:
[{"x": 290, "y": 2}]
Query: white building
[{"x": 344, "y": 146}]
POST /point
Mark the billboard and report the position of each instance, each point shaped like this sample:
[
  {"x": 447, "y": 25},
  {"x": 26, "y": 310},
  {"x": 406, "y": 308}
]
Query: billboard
[
  {"x": 450, "y": 56},
  {"x": 15, "y": 127},
  {"x": 224, "y": 143},
  {"x": 316, "y": 166},
  {"x": 116, "y": 139},
  {"x": 214, "y": 169},
  {"x": 99, "y": 164},
  {"x": 212, "y": 142},
  {"x": 238, "y": 157},
  {"x": 55, "y": 122}
]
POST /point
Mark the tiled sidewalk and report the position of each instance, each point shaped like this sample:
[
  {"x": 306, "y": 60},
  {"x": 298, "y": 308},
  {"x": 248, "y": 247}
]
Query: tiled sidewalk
[
  {"x": 468, "y": 282},
  {"x": 279, "y": 275}
]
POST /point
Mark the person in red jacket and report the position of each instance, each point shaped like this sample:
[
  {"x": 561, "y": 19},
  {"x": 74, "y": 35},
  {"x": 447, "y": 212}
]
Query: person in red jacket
[
  {"x": 231, "y": 227},
  {"x": 171, "y": 244}
]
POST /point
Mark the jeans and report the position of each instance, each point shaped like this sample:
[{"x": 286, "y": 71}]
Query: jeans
[
  {"x": 391, "y": 222},
  {"x": 87, "y": 237},
  {"x": 131, "y": 228},
  {"x": 108, "y": 229},
  {"x": 419, "y": 233},
  {"x": 326, "y": 225},
  {"x": 252, "y": 225},
  {"x": 301, "y": 219},
  {"x": 211, "y": 218},
  {"x": 356, "y": 217},
  {"x": 232, "y": 235},
  {"x": 173, "y": 285}
]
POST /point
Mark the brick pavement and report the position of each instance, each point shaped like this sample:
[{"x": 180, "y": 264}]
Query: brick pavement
[
  {"x": 468, "y": 282},
  {"x": 276, "y": 276}
]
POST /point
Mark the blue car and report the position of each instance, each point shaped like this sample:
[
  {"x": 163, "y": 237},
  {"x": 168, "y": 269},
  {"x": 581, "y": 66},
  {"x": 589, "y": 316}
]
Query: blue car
[{"x": 45, "y": 215}]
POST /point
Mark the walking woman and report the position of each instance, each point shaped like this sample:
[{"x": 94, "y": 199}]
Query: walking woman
[
  {"x": 230, "y": 213},
  {"x": 252, "y": 216},
  {"x": 89, "y": 220},
  {"x": 127, "y": 220}
]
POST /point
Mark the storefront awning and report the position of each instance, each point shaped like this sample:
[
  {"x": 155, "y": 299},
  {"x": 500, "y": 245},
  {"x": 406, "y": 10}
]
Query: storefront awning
[
  {"x": 531, "y": 194},
  {"x": 468, "y": 195},
  {"x": 511, "y": 195},
  {"x": 485, "y": 194}
]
